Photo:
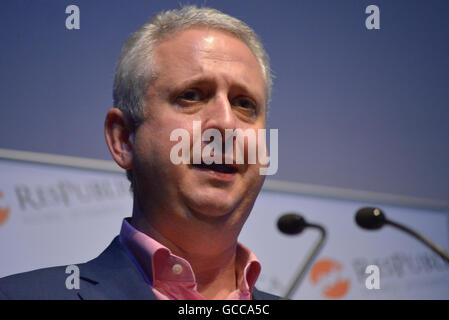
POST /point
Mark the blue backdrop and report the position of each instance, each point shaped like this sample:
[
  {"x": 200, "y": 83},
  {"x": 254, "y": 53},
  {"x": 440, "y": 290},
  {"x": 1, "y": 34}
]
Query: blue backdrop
[{"x": 355, "y": 108}]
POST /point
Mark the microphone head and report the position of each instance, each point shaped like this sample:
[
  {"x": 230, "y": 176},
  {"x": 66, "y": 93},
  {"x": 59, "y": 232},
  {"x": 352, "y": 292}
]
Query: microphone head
[
  {"x": 291, "y": 223},
  {"x": 370, "y": 218}
]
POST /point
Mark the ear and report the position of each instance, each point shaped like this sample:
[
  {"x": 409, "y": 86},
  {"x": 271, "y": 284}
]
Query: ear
[{"x": 119, "y": 137}]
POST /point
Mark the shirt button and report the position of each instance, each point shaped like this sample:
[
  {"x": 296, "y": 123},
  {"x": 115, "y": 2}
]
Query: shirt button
[{"x": 177, "y": 269}]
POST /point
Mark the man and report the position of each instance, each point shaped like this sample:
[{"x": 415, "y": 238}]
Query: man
[{"x": 184, "y": 66}]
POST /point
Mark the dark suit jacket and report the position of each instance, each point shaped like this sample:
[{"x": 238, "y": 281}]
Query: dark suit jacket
[{"x": 112, "y": 275}]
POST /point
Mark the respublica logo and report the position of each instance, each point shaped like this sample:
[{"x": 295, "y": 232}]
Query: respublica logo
[
  {"x": 327, "y": 275},
  {"x": 4, "y": 211}
]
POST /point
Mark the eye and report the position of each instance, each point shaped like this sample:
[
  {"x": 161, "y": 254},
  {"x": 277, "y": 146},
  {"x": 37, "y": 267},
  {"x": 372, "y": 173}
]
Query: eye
[
  {"x": 190, "y": 95},
  {"x": 246, "y": 105}
]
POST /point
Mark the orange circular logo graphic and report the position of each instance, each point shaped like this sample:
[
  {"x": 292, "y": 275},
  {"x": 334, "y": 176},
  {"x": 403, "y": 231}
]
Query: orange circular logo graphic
[
  {"x": 327, "y": 274},
  {"x": 4, "y": 212}
]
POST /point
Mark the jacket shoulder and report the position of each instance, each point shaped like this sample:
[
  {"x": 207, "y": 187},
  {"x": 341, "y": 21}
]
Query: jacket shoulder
[
  {"x": 111, "y": 275},
  {"x": 47, "y": 283}
]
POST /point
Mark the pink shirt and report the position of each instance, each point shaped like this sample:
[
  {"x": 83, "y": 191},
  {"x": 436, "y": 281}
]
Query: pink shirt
[{"x": 171, "y": 277}]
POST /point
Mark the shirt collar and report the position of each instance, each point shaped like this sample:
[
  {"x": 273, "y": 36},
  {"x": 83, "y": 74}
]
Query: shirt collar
[{"x": 159, "y": 264}]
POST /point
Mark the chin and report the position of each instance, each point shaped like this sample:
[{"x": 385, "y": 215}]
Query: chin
[{"x": 213, "y": 204}]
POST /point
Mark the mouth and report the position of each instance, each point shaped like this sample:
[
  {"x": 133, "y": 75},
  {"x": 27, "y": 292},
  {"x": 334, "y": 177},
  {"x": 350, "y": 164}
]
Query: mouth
[{"x": 219, "y": 168}]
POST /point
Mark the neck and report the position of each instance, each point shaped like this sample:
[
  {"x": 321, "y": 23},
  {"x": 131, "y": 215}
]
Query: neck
[
  {"x": 211, "y": 258},
  {"x": 215, "y": 274}
]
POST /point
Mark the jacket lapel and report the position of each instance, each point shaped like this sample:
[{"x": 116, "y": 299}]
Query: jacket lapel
[
  {"x": 261, "y": 295},
  {"x": 113, "y": 276}
]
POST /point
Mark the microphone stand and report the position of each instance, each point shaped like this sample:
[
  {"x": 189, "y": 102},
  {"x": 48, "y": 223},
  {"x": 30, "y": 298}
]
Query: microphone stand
[{"x": 301, "y": 271}]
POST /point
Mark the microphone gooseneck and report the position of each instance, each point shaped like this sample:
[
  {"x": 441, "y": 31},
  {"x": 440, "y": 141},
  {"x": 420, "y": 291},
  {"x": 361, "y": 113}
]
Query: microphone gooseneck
[
  {"x": 291, "y": 224},
  {"x": 371, "y": 218}
]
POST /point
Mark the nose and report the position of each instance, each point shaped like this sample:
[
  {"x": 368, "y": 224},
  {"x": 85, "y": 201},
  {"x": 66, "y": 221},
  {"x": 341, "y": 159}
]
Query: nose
[{"x": 219, "y": 115}]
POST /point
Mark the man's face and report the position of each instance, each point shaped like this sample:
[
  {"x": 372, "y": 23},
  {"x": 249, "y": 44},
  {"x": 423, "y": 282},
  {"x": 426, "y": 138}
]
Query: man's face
[{"x": 208, "y": 76}]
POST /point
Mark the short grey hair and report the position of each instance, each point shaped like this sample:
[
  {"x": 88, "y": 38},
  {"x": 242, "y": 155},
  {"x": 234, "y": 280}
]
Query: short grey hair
[{"x": 136, "y": 69}]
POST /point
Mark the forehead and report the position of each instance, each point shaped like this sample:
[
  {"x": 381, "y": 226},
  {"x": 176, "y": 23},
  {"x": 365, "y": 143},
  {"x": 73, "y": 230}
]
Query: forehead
[{"x": 201, "y": 51}]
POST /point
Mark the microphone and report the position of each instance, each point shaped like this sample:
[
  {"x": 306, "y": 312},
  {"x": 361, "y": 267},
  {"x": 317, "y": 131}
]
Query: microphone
[
  {"x": 292, "y": 224},
  {"x": 370, "y": 218}
]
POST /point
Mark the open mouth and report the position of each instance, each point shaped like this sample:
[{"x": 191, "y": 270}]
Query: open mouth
[{"x": 221, "y": 168}]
